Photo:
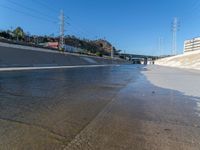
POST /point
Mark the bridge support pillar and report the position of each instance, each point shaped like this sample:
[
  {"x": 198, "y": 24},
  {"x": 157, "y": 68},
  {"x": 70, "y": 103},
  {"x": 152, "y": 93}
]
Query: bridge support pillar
[{"x": 145, "y": 61}]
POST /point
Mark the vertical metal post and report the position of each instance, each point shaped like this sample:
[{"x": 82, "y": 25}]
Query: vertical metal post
[
  {"x": 175, "y": 28},
  {"x": 62, "y": 30},
  {"x": 112, "y": 53}
]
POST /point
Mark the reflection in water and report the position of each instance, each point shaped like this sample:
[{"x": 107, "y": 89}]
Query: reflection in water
[
  {"x": 48, "y": 109},
  {"x": 197, "y": 100},
  {"x": 55, "y": 104}
]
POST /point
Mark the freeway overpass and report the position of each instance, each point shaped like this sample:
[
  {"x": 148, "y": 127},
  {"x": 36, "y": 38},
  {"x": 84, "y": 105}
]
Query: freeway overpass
[{"x": 140, "y": 59}]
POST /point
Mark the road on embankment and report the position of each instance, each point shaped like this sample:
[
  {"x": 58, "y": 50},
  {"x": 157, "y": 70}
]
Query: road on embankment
[
  {"x": 12, "y": 56},
  {"x": 102, "y": 108}
]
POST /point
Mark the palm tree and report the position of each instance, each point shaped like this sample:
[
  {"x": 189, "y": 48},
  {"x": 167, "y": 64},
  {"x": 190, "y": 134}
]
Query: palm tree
[{"x": 19, "y": 33}]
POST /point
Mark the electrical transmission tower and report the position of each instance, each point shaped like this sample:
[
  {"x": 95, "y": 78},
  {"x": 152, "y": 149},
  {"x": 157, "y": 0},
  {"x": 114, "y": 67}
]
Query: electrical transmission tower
[
  {"x": 62, "y": 30},
  {"x": 175, "y": 29}
]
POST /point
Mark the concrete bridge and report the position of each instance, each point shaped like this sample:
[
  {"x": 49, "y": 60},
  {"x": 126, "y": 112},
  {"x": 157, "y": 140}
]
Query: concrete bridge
[{"x": 140, "y": 59}]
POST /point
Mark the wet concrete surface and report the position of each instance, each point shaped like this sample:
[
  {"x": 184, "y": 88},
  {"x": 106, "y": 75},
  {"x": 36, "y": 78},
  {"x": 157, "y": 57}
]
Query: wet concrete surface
[{"x": 106, "y": 108}]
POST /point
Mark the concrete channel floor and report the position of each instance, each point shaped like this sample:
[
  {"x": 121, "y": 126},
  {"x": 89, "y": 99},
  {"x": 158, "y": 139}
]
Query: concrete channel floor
[
  {"x": 146, "y": 117},
  {"x": 114, "y": 108}
]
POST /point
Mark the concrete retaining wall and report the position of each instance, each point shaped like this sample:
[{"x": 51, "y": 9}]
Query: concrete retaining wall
[
  {"x": 25, "y": 56},
  {"x": 189, "y": 60}
]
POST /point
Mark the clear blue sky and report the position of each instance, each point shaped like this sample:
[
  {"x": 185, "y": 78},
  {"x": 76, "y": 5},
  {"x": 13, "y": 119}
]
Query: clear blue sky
[{"x": 131, "y": 25}]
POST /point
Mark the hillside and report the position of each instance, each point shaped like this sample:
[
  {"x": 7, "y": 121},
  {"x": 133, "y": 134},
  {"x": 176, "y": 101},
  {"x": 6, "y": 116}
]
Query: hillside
[
  {"x": 97, "y": 47},
  {"x": 93, "y": 46}
]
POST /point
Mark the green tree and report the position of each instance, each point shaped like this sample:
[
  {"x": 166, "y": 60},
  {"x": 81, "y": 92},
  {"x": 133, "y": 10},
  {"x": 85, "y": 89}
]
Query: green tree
[
  {"x": 19, "y": 33},
  {"x": 99, "y": 54}
]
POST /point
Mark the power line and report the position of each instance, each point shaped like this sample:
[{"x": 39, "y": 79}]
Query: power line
[
  {"x": 46, "y": 6},
  {"x": 82, "y": 31},
  {"x": 196, "y": 7},
  {"x": 79, "y": 28},
  {"x": 52, "y": 10},
  {"x": 29, "y": 9},
  {"x": 195, "y": 3},
  {"x": 28, "y": 14},
  {"x": 160, "y": 45}
]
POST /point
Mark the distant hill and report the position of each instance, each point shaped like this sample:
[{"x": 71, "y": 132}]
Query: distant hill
[
  {"x": 92, "y": 46},
  {"x": 100, "y": 47}
]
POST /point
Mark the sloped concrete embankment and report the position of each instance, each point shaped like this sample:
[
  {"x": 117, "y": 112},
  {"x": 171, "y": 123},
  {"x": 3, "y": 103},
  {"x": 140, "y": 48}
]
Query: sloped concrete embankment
[
  {"x": 190, "y": 60},
  {"x": 25, "y": 56}
]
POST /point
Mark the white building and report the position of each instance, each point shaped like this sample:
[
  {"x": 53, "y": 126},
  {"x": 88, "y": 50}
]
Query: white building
[
  {"x": 192, "y": 45},
  {"x": 72, "y": 49}
]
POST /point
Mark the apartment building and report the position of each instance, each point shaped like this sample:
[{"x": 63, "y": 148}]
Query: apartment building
[{"x": 192, "y": 45}]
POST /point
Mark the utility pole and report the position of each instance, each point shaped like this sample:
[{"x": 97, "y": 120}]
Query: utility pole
[
  {"x": 175, "y": 28},
  {"x": 112, "y": 52},
  {"x": 160, "y": 45},
  {"x": 62, "y": 30}
]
